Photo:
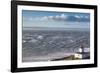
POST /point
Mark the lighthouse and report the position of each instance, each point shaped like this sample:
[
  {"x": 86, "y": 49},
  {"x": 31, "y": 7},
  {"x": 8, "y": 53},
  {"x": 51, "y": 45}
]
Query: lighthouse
[
  {"x": 82, "y": 48},
  {"x": 80, "y": 53}
]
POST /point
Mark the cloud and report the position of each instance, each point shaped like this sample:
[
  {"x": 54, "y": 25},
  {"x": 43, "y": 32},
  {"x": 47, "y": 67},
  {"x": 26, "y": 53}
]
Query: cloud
[
  {"x": 44, "y": 18},
  {"x": 56, "y": 17},
  {"x": 62, "y": 17},
  {"x": 81, "y": 16},
  {"x": 77, "y": 16}
]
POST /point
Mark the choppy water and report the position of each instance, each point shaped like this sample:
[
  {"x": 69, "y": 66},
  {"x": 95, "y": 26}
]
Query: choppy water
[{"x": 44, "y": 45}]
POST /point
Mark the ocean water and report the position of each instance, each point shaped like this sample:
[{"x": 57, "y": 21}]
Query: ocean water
[{"x": 46, "y": 45}]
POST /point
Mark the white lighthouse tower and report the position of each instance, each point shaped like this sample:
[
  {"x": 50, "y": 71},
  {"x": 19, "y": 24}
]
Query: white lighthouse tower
[{"x": 79, "y": 54}]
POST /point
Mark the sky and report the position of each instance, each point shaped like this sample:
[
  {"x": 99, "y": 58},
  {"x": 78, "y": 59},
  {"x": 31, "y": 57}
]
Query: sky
[{"x": 50, "y": 19}]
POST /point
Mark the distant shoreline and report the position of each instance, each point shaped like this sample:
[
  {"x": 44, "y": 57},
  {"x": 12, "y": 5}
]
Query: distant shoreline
[{"x": 55, "y": 29}]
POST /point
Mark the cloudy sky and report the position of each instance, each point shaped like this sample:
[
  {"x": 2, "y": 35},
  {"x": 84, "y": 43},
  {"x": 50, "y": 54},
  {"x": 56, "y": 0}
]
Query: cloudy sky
[{"x": 55, "y": 19}]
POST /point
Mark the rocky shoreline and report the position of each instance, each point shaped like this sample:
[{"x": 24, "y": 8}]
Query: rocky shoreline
[{"x": 85, "y": 55}]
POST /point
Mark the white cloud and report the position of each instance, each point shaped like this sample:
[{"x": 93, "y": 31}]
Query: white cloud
[
  {"x": 63, "y": 16},
  {"x": 44, "y": 18},
  {"x": 77, "y": 16},
  {"x": 50, "y": 17},
  {"x": 81, "y": 16},
  {"x": 57, "y": 17},
  {"x": 86, "y": 16}
]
